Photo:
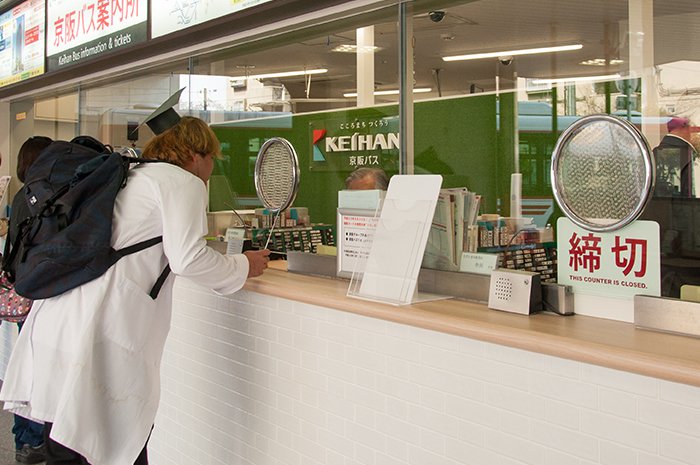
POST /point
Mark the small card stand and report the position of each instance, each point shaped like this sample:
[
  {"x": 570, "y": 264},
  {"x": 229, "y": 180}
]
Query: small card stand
[{"x": 390, "y": 272}]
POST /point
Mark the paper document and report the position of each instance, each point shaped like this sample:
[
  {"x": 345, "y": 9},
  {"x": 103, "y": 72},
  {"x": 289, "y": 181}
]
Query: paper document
[{"x": 451, "y": 232}]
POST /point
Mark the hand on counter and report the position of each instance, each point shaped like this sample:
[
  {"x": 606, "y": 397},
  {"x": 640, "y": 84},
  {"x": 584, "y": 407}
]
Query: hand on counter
[{"x": 257, "y": 260}]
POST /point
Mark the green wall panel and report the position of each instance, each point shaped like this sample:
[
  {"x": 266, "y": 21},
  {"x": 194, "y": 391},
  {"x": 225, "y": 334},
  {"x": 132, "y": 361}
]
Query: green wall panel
[{"x": 457, "y": 138}]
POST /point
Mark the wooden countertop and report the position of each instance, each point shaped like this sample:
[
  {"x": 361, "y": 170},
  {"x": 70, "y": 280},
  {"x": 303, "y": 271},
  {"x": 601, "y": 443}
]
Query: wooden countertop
[{"x": 602, "y": 342}]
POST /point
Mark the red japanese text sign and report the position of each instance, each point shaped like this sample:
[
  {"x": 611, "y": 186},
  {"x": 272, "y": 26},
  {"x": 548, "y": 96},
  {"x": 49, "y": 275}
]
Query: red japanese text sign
[
  {"x": 79, "y": 30},
  {"x": 621, "y": 263}
]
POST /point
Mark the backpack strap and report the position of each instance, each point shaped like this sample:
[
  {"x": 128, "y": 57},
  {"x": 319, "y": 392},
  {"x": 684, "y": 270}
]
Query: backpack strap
[
  {"x": 141, "y": 246},
  {"x": 159, "y": 283},
  {"x": 127, "y": 161},
  {"x": 10, "y": 253},
  {"x": 92, "y": 143},
  {"x": 8, "y": 257},
  {"x": 6, "y": 251},
  {"x": 143, "y": 160}
]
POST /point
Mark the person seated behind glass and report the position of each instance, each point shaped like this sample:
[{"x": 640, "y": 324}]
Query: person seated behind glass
[
  {"x": 673, "y": 205},
  {"x": 367, "y": 178},
  {"x": 674, "y": 156}
]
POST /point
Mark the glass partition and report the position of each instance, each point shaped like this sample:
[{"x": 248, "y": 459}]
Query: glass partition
[
  {"x": 113, "y": 112},
  {"x": 507, "y": 77},
  {"x": 53, "y": 116},
  {"x": 668, "y": 98},
  {"x": 330, "y": 89},
  {"x": 495, "y": 83},
  {"x": 542, "y": 65},
  {"x": 329, "y": 92}
]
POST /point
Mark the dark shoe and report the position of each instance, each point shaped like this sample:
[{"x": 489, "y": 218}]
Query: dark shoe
[{"x": 28, "y": 454}]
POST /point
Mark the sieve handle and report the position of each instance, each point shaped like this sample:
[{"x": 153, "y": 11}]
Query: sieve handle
[{"x": 274, "y": 222}]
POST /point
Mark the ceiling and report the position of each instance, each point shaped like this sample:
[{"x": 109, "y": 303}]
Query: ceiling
[{"x": 601, "y": 26}]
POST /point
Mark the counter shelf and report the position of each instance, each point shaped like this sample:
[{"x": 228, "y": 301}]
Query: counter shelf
[{"x": 612, "y": 344}]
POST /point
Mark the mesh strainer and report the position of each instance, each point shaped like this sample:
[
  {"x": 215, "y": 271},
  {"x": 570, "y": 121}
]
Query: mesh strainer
[
  {"x": 276, "y": 177},
  {"x": 602, "y": 172}
]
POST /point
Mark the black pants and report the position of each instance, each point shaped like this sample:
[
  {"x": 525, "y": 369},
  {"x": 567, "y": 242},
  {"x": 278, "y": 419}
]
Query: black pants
[{"x": 58, "y": 454}]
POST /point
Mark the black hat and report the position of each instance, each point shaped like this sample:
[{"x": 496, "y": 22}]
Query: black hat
[{"x": 164, "y": 117}]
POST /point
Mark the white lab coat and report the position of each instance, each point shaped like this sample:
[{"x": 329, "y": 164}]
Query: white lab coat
[{"x": 89, "y": 360}]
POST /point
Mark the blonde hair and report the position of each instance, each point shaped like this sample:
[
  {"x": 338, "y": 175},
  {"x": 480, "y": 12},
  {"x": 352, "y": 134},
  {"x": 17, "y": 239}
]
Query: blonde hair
[{"x": 177, "y": 144}]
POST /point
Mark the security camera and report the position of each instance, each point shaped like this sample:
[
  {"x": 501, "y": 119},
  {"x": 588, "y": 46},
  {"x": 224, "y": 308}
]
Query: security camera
[
  {"x": 505, "y": 60},
  {"x": 436, "y": 16}
]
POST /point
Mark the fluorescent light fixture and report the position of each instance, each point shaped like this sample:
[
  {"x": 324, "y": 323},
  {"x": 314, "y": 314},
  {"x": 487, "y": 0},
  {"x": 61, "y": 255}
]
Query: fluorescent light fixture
[
  {"x": 525, "y": 51},
  {"x": 417, "y": 90},
  {"x": 281, "y": 74},
  {"x": 351, "y": 48},
  {"x": 607, "y": 77},
  {"x": 601, "y": 62}
]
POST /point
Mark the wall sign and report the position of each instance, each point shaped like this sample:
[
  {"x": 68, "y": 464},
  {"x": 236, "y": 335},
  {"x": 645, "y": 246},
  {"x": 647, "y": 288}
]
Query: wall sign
[
  {"x": 85, "y": 29},
  {"x": 622, "y": 263},
  {"x": 343, "y": 145},
  {"x": 22, "y": 39},
  {"x": 175, "y": 15}
]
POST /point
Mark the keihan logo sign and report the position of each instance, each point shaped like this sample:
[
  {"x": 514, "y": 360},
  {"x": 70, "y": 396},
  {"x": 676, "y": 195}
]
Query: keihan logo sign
[
  {"x": 319, "y": 135},
  {"x": 356, "y": 143},
  {"x": 362, "y": 142}
]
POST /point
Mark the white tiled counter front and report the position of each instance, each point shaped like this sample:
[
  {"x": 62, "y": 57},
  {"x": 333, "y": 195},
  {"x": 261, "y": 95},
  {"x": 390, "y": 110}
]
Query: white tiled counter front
[{"x": 255, "y": 379}]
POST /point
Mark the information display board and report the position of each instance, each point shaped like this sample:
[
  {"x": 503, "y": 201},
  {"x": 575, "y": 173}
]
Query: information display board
[
  {"x": 22, "y": 39},
  {"x": 80, "y": 30},
  {"x": 177, "y": 15}
]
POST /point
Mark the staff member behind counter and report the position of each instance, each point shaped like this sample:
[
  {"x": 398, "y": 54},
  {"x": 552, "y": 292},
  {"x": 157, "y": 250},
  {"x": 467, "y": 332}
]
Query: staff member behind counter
[
  {"x": 87, "y": 362},
  {"x": 675, "y": 156},
  {"x": 674, "y": 205},
  {"x": 366, "y": 179}
]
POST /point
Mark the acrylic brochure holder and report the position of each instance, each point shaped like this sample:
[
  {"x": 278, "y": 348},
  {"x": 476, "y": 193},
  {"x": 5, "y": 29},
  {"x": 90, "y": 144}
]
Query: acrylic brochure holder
[{"x": 389, "y": 273}]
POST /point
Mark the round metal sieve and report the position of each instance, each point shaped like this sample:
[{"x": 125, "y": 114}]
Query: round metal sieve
[
  {"x": 276, "y": 177},
  {"x": 602, "y": 172}
]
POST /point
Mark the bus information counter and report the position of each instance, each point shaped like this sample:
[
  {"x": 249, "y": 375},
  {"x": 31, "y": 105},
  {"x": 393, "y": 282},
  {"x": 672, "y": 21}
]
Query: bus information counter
[{"x": 290, "y": 370}]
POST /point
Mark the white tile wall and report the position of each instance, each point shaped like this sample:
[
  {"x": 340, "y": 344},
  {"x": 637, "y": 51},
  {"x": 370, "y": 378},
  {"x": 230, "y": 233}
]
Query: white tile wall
[{"x": 256, "y": 380}]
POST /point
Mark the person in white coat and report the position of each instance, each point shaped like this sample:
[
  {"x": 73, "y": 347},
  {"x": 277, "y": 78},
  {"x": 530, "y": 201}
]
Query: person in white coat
[{"x": 87, "y": 362}]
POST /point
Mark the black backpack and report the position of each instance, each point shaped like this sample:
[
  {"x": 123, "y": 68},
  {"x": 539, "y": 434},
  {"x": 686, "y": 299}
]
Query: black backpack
[{"x": 70, "y": 191}]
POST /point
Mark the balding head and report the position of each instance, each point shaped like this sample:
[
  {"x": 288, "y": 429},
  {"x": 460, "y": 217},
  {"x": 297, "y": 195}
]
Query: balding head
[{"x": 367, "y": 178}]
